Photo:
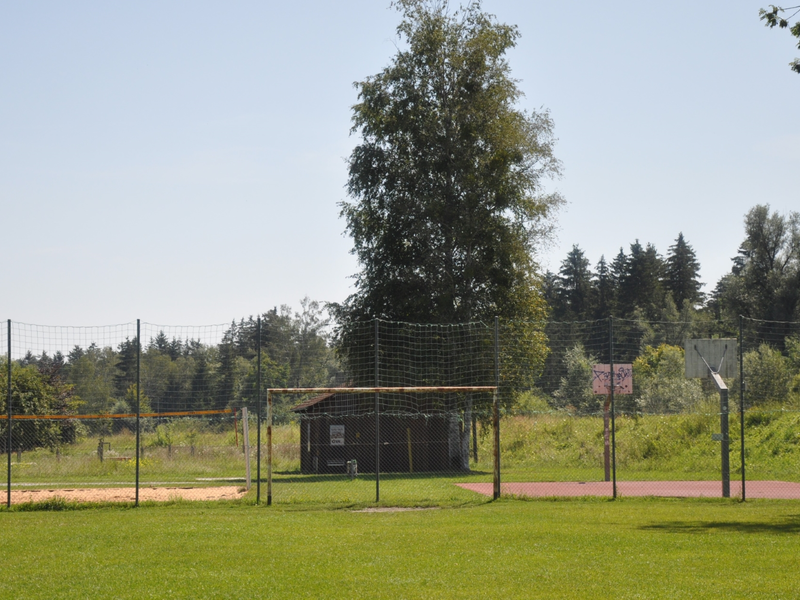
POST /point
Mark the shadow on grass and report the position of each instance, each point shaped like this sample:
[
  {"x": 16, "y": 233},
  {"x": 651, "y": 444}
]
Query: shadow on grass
[{"x": 790, "y": 525}]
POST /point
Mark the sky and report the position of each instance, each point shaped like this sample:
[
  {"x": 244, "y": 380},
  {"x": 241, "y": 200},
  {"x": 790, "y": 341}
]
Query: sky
[{"x": 183, "y": 162}]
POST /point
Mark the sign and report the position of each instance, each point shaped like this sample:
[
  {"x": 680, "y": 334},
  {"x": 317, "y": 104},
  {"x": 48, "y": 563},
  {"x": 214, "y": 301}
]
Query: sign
[
  {"x": 623, "y": 379},
  {"x": 337, "y": 435}
]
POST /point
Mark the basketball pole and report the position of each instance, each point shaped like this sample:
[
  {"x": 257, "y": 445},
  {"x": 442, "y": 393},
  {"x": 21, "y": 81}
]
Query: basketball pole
[{"x": 724, "y": 437}]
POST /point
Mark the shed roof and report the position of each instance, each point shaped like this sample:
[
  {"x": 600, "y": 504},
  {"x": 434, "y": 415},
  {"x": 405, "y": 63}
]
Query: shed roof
[{"x": 311, "y": 402}]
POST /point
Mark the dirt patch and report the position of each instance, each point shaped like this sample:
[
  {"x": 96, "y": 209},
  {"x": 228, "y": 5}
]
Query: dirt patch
[{"x": 126, "y": 494}]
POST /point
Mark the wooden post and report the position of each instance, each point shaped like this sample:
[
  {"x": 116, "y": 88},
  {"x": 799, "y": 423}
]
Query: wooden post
[
  {"x": 496, "y": 408},
  {"x": 246, "y": 444},
  {"x": 410, "y": 455},
  {"x": 269, "y": 447}
]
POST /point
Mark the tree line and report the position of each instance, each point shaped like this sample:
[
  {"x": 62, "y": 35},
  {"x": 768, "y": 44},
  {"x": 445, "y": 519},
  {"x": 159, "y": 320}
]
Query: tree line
[
  {"x": 763, "y": 283},
  {"x": 175, "y": 374}
]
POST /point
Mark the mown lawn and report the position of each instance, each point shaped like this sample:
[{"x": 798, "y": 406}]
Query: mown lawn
[{"x": 629, "y": 548}]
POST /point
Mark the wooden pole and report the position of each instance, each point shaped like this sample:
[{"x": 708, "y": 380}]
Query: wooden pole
[{"x": 246, "y": 444}]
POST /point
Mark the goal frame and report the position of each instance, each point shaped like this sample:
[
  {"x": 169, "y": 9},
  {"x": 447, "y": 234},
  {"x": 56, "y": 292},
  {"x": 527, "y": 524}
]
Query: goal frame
[{"x": 372, "y": 390}]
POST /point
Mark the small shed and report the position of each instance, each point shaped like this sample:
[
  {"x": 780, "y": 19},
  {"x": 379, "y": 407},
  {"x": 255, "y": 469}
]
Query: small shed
[{"x": 338, "y": 427}]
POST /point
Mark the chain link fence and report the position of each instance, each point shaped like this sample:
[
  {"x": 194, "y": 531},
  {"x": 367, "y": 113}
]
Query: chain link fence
[{"x": 139, "y": 412}]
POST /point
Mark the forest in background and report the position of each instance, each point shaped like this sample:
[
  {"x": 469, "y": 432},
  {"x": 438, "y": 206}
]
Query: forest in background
[{"x": 649, "y": 292}]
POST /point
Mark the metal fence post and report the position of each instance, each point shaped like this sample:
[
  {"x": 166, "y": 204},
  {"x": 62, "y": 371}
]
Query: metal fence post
[
  {"x": 377, "y": 420},
  {"x": 741, "y": 397},
  {"x": 138, "y": 404},
  {"x": 8, "y": 406},
  {"x": 258, "y": 413},
  {"x": 496, "y": 408},
  {"x": 613, "y": 408}
]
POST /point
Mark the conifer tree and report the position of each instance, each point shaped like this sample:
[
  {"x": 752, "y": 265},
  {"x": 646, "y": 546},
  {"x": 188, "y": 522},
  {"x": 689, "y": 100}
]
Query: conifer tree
[
  {"x": 575, "y": 286},
  {"x": 604, "y": 291},
  {"x": 681, "y": 274}
]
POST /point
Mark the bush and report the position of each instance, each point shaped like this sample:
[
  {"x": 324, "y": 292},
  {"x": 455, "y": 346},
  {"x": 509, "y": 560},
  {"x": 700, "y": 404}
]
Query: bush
[
  {"x": 575, "y": 390},
  {"x": 767, "y": 376},
  {"x": 660, "y": 384}
]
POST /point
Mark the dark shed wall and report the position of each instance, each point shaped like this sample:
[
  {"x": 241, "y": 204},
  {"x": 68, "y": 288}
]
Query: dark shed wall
[{"x": 429, "y": 444}]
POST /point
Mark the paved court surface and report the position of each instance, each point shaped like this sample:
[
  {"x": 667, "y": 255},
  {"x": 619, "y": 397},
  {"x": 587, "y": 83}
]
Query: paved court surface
[{"x": 668, "y": 489}]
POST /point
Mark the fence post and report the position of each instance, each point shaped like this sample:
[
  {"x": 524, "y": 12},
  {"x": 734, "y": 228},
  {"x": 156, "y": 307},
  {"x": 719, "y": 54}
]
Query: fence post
[
  {"x": 613, "y": 409},
  {"x": 741, "y": 397},
  {"x": 377, "y": 420},
  {"x": 258, "y": 412},
  {"x": 269, "y": 447},
  {"x": 496, "y": 408},
  {"x": 8, "y": 406},
  {"x": 138, "y": 404},
  {"x": 246, "y": 444}
]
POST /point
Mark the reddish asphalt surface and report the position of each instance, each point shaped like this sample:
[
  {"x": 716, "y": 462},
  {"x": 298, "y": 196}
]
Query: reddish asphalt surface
[{"x": 672, "y": 489}]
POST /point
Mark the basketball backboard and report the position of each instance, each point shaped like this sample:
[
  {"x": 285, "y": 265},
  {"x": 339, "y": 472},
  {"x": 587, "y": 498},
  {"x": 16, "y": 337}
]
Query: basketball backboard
[{"x": 720, "y": 354}]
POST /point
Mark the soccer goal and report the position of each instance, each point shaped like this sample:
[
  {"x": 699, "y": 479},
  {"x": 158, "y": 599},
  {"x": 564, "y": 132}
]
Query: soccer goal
[{"x": 398, "y": 430}]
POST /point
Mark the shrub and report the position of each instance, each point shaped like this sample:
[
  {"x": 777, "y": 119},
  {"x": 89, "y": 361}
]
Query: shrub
[
  {"x": 766, "y": 375},
  {"x": 660, "y": 384},
  {"x": 575, "y": 389}
]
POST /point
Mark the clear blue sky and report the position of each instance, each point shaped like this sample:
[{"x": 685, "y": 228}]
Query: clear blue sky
[{"x": 181, "y": 162}]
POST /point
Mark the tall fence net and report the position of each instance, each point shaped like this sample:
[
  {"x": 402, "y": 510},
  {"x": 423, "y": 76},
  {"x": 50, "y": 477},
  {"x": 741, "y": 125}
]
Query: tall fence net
[{"x": 139, "y": 412}]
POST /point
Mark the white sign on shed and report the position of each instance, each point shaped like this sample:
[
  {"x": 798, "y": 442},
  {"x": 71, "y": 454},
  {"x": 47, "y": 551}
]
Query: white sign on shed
[{"x": 337, "y": 435}]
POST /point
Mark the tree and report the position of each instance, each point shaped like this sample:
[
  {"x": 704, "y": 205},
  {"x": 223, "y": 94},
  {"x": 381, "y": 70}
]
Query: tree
[
  {"x": 640, "y": 281},
  {"x": 575, "y": 286},
  {"x": 36, "y": 391},
  {"x": 604, "y": 290},
  {"x": 681, "y": 274},
  {"x": 660, "y": 383},
  {"x": 767, "y": 376},
  {"x": 764, "y": 282},
  {"x": 617, "y": 272},
  {"x": 446, "y": 185},
  {"x": 575, "y": 390},
  {"x": 772, "y": 20}
]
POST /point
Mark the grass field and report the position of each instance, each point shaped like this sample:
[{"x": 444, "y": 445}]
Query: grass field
[
  {"x": 630, "y": 548},
  {"x": 534, "y": 447}
]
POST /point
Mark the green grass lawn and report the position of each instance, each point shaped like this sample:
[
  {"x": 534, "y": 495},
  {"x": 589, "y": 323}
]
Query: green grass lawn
[
  {"x": 534, "y": 447},
  {"x": 630, "y": 548}
]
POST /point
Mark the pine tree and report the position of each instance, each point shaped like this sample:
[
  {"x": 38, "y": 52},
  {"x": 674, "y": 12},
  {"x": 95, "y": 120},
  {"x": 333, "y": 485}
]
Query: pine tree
[
  {"x": 681, "y": 274},
  {"x": 640, "y": 285},
  {"x": 604, "y": 291},
  {"x": 575, "y": 286}
]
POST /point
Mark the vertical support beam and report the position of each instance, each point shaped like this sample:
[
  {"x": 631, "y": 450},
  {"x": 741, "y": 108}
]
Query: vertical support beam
[
  {"x": 377, "y": 419},
  {"x": 10, "y": 415},
  {"x": 725, "y": 444},
  {"x": 258, "y": 411},
  {"x": 496, "y": 408},
  {"x": 613, "y": 409},
  {"x": 741, "y": 397},
  {"x": 475, "y": 436},
  {"x": 607, "y": 438},
  {"x": 138, "y": 404},
  {"x": 725, "y": 457},
  {"x": 246, "y": 444},
  {"x": 269, "y": 447}
]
